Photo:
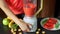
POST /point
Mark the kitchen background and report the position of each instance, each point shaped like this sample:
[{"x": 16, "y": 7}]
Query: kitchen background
[{"x": 50, "y": 9}]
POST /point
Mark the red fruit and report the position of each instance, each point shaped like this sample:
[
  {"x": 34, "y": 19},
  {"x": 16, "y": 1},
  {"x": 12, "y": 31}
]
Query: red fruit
[
  {"x": 51, "y": 26},
  {"x": 48, "y": 26},
  {"x": 49, "y": 20},
  {"x": 52, "y": 20},
  {"x": 50, "y": 23},
  {"x": 45, "y": 26},
  {"x": 55, "y": 21}
]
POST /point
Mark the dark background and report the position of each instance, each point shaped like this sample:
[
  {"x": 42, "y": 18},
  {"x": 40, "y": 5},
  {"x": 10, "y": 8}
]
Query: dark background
[{"x": 57, "y": 9}]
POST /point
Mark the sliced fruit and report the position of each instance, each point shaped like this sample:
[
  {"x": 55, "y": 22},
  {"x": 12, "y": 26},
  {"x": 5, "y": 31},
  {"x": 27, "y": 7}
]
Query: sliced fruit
[
  {"x": 10, "y": 24},
  {"x": 6, "y": 21},
  {"x": 51, "y": 23},
  {"x": 57, "y": 25},
  {"x": 53, "y": 20},
  {"x": 14, "y": 26},
  {"x": 44, "y": 21},
  {"x": 49, "y": 26}
]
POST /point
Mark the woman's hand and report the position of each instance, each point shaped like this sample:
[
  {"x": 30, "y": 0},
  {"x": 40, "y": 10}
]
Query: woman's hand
[
  {"x": 29, "y": 26},
  {"x": 25, "y": 26}
]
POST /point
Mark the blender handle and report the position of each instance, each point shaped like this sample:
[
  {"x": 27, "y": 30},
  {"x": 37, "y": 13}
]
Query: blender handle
[{"x": 39, "y": 8}]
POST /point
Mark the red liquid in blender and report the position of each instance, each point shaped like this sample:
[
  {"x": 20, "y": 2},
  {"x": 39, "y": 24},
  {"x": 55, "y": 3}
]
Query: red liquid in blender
[{"x": 29, "y": 9}]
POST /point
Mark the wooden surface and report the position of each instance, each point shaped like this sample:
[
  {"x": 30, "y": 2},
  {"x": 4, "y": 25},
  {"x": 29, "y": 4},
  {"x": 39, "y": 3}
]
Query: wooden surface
[{"x": 48, "y": 9}]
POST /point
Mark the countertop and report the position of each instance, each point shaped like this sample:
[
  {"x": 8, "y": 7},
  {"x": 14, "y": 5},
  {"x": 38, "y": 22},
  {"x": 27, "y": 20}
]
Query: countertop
[{"x": 6, "y": 30}]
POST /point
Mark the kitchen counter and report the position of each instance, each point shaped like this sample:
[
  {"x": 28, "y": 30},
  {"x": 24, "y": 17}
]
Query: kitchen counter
[{"x": 6, "y": 30}]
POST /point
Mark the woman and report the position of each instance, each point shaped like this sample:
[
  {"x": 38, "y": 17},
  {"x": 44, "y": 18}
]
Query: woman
[{"x": 12, "y": 8}]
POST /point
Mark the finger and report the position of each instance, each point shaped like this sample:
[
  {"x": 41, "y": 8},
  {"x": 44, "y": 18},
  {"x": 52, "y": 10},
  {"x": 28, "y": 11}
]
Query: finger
[{"x": 30, "y": 26}]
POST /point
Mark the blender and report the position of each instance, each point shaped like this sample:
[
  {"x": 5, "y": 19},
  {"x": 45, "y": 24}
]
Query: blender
[{"x": 29, "y": 7}]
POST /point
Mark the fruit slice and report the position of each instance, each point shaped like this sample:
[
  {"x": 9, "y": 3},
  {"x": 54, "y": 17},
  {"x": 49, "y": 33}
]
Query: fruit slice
[
  {"x": 6, "y": 21},
  {"x": 43, "y": 22},
  {"x": 52, "y": 20},
  {"x": 14, "y": 26},
  {"x": 57, "y": 25},
  {"x": 10, "y": 24},
  {"x": 50, "y": 26}
]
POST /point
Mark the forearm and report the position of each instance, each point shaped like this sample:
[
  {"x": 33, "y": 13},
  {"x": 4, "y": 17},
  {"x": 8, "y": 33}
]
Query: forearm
[{"x": 8, "y": 12}]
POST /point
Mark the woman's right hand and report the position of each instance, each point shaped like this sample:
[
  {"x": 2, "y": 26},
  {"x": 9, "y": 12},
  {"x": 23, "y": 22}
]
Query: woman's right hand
[{"x": 24, "y": 27}]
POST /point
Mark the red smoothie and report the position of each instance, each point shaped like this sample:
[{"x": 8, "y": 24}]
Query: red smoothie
[{"x": 29, "y": 9}]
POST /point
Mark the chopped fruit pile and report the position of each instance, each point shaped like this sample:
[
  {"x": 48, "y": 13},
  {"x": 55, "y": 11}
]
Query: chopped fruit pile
[
  {"x": 8, "y": 22},
  {"x": 50, "y": 23}
]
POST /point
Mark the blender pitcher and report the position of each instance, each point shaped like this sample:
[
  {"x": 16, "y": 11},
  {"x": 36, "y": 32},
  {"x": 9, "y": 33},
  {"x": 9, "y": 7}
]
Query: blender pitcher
[{"x": 29, "y": 7}]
